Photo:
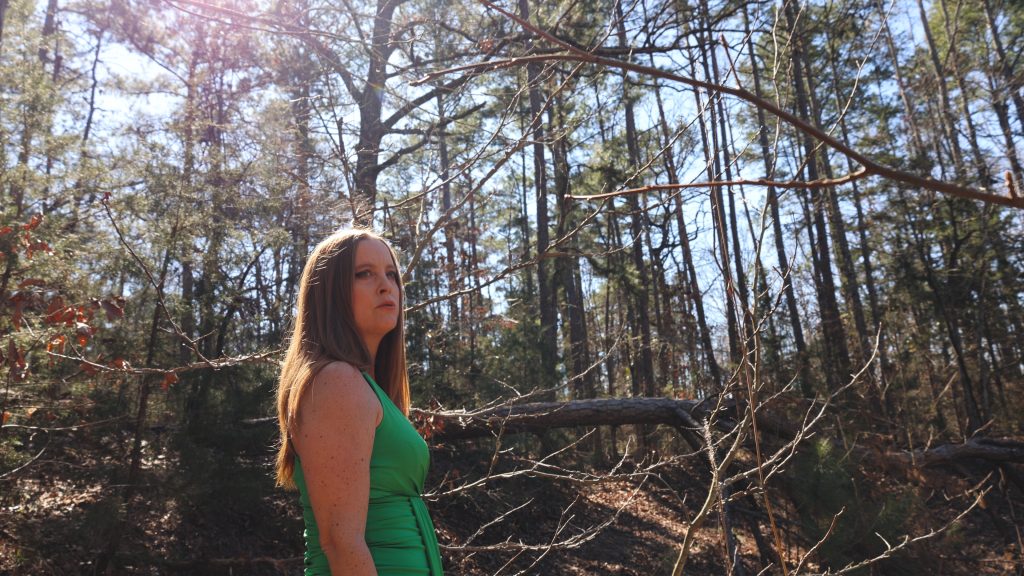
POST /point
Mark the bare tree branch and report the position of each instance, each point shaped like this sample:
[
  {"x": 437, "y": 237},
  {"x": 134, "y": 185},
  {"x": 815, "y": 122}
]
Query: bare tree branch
[{"x": 871, "y": 167}]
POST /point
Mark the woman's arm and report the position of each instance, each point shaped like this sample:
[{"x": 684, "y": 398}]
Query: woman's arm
[{"x": 338, "y": 415}]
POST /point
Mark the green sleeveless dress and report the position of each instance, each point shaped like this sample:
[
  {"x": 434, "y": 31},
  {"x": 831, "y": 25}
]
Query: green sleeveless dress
[{"x": 399, "y": 532}]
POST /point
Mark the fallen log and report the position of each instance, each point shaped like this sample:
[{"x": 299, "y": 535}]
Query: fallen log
[
  {"x": 990, "y": 449},
  {"x": 540, "y": 416},
  {"x": 685, "y": 415}
]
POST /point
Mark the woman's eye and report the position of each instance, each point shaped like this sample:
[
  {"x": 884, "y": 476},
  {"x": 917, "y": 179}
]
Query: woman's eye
[
  {"x": 393, "y": 275},
  {"x": 362, "y": 274}
]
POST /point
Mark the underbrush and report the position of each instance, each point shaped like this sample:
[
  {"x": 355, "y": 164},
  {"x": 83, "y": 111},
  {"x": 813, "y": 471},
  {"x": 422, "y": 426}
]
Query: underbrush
[{"x": 207, "y": 505}]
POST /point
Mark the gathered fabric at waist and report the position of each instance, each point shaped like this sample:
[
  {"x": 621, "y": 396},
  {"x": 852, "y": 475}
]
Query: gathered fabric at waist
[{"x": 400, "y": 536}]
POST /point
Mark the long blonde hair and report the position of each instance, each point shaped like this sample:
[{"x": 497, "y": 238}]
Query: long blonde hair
[{"x": 324, "y": 332}]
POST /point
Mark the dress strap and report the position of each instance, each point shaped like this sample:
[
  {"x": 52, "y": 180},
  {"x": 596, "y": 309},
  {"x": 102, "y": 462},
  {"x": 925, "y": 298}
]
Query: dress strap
[{"x": 382, "y": 396}]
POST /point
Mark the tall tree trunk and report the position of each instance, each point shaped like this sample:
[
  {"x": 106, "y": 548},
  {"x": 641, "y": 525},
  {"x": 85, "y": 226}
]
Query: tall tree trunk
[
  {"x": 910, "y": 116},
  {"x": 472, "y": 317},
  {"x": 1013, "y": 83},
  {"x": 84, "y": 155},
  {"x": 611, "y": 365},
  {"x": 640, "y": 295},
  {"x": 113, "y": 537},
  {"x": 302, "y": 72},
  {"x": 37, "y": 118},
  {"x": 949, "y": 127},
  {"x": 720, "y": 152},
  {"x": 1003, "y": 116},
  {"x": 865, "y": 248},
  {"x": 982, "y": 171},
  {"x": 188, "y": 137},
  {"x": 663, "y": 317},
  {"x": 49, "y": 27},
  {"x": 697, "y": 297},
  {"x": 526, "y": 239},
  {"x": 952, "y": 325},
  {"x": 720, "y": 136},
  {"x": 977, "y": 281},
  {"x": 836, "y": 352},
  {"x": 35, "y": 113},
  {"x": 548, "y": 311},
  {"x": 780, "y": 241},
  {"x": 718, "y": 219},
  {"x": 451, "y": 268},
  {"x": 567, "y": 273},
  {"x": 568, "y": 269},
  {"x": 3, "y": 19},
  {"x": 216, "y": 183},
  {"x": 371, "y": 129},
  {"x": 93, "y": 87},
  {"x": 625, "y": 301},
  {"x": 840, "y": 242},
  {"x": 613, "y": 326},
  {"x": 690, "y": 271}
]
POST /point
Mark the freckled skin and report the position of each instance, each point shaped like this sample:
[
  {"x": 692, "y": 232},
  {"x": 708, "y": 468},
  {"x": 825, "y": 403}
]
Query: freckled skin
[{"x": 338, "y": 415}]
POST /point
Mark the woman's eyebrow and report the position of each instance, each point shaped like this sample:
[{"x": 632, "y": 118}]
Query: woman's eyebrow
[{"x": 374, "y": 265}]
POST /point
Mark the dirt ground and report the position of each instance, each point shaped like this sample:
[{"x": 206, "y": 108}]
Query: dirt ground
[{"x": 213, "y": 509}]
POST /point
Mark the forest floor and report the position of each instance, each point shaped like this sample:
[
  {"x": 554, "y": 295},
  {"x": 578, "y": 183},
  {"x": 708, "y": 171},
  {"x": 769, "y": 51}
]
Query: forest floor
[{"x": 211, "y": 508}]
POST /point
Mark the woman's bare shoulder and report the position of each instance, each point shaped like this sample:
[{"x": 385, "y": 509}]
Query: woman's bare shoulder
[
  {"x": 339, "y": 373},
  {"x": 337, "y": 399},
  {"x": 339, "y": 386}
]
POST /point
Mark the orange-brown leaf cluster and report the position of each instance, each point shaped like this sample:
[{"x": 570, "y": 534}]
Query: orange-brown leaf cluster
[{"x": 169, "y": 378}]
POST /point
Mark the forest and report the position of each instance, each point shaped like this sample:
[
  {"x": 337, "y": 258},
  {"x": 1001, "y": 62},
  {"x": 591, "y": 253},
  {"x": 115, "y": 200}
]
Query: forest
[{"x": 693, "y": 286}]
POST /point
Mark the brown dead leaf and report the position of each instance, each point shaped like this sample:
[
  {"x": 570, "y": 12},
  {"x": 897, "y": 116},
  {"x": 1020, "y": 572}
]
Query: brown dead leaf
[
  {"x": 114, "y": 307},
  {"x": 33, "y": 223},
  {"x": 169, "y": 378}
]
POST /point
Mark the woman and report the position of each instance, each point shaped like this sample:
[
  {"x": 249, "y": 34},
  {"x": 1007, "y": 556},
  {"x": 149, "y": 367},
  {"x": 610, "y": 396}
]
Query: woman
[{"x": 346, "y": 442}]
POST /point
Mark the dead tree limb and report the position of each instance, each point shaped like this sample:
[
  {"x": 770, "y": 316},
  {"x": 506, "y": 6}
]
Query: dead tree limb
[
  {"x": 538, "y": 416},
  {"x": 990, "y": 449},
  {"x": 444, "y": 426}
]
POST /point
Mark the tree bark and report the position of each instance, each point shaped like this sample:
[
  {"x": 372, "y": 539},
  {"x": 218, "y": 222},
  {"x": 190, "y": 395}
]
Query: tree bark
[
  {"x": 836, "y": 351},
  {"x": 780, "y": 241},
  {"x": 104, "y": 563},
  {"x": 3, "y": 19},
  {"x": 1003, "y": 117},
  {"x": 636, "y": 228},
  {"x": 840, "y": 242},
  {"x": 568, "y": 269},
  {"x": 718, "y": 218},
  {"x": 880, "y": 383},
  {"x": 450, "y": 227},
  {"x": 983, "y": 173},
  {"x": 908, "y": 109},
  {"x": 370, "y": 101},
  {"x": 540, "y": 416},
  {"x": 545, "y": 292},
  {"x": 689, "y": 270},
  {"x": 952, "y": 325},
  {"x": 723, "y": 146},
  {"x": 946, "y": 113}
]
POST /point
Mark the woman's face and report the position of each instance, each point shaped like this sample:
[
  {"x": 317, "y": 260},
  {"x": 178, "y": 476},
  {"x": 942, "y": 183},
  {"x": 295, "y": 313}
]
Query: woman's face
[{"x": 375, "y": 292}]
